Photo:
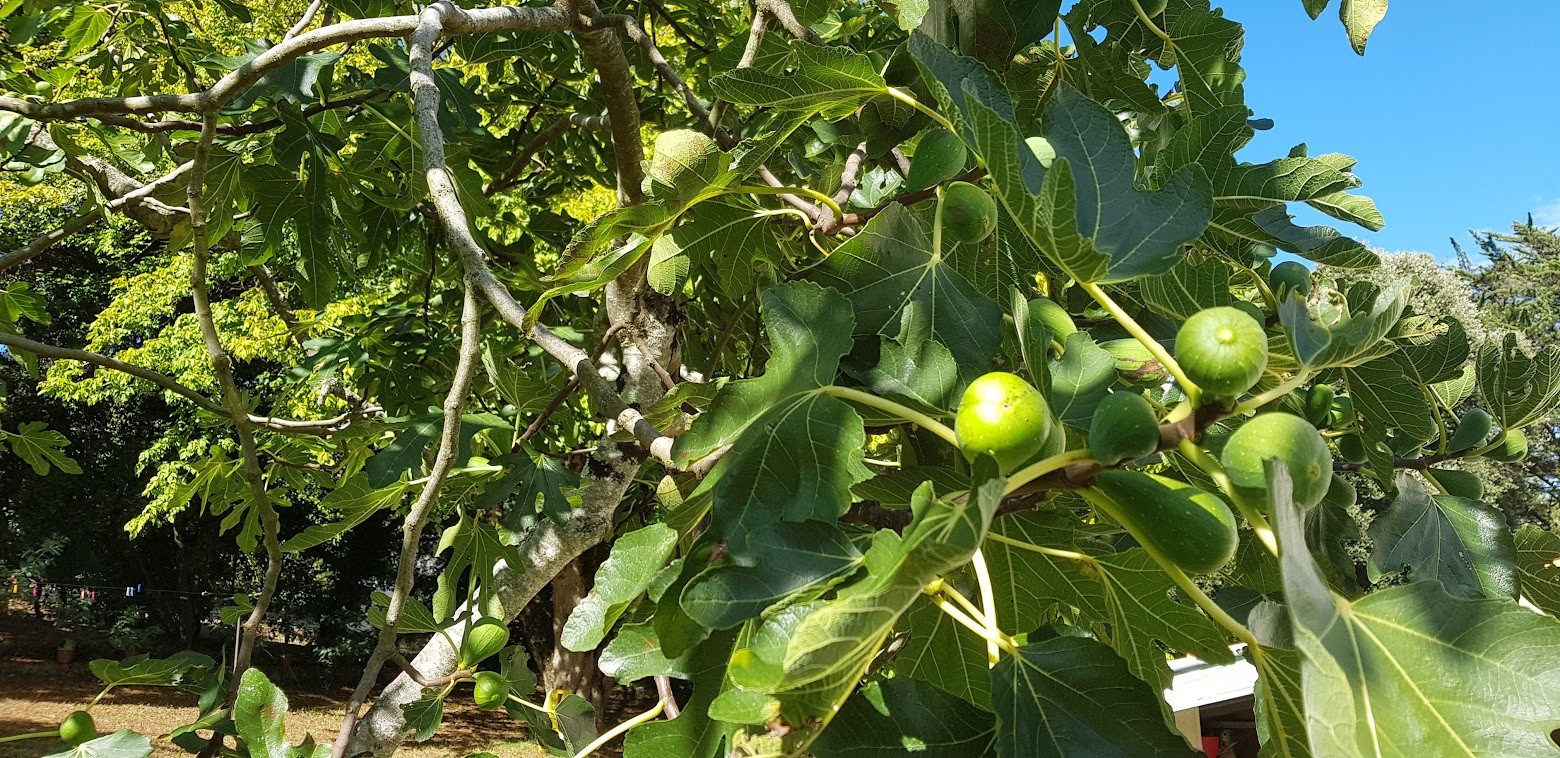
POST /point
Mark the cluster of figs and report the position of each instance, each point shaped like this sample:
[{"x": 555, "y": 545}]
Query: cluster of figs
[{"x": 1222, "y": 350}]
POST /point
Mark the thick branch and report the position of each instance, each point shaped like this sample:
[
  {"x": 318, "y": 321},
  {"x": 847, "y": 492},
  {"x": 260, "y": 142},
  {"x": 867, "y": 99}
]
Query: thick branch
[
  {"x": 603, "y": 50},
  {"x": 446, "y": 202}
]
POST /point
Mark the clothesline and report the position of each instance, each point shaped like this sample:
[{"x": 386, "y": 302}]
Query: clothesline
[{"x": 90, "y": 590}]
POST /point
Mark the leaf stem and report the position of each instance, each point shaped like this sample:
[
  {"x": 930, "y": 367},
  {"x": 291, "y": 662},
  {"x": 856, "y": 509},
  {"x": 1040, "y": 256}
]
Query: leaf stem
[
  {"x": 902, "y": 411},
  {"x": 940, "y": 599},
  {"x": 1193, "y": 392},
  {"x": 1071, "y": 555},
  {"x": 761, "y": 189},
  {"x": 528, "y": 704},
  {"x": 1042, "y": 467},
  {"x": 909, "y": 99},
  {"x": 1201, "y": 459},
  {"x": 612, "y": 734},
  {"x": 1143, "y": 16},
  {"x": 988, "y": 602},
  {"x": 937, "y": 225},
  {"x": 30, "y": 736},
  {"x": 1284, "y": 388}
]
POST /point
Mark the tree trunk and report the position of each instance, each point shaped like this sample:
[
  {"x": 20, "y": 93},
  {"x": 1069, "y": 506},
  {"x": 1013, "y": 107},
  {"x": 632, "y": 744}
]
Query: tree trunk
[{"x": 566, "y": 669}]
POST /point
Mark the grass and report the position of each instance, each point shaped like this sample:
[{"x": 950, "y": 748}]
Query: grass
[{"x": 36, "y": 693}]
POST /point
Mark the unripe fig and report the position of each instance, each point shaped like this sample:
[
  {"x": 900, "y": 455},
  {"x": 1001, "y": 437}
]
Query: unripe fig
[
  {"x": 1192, "y": 528},
  {"x": 1222, "y": 350},
  {"x": 1513, "y": 447},
  {"x": 482, "y": 642},
  {"x": 1288, "y": 277},
  {"x": 1458, "y": 483},
  {"x": 77, "y": 728},
  {"x": 940, "y": 156},
  {"x": 1134, "y": 362},
  {"x": 1056, "y": 319},
  {"x": 1318, "y": 404},
  {"x": 1124, "y": 428},
  {"x": 969, "y": 213},
  {"x": 1472, "y": 428},
  {"x": 491, "y": 690}
]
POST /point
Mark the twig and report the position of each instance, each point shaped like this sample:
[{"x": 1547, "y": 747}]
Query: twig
[
  {"x": 303, "y": 23},
  {"x": 509, "y": 177},
  {"x": 663, "y": 688},
  {"x": 552, "y": 406}
]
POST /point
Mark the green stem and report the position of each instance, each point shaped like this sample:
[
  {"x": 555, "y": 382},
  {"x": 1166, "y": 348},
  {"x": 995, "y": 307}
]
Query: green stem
[
  {"x": 937, "y": 225},
  {"x": 888, "y": 406},
  {"x": 1070, "y": 555},
  {"x": 99, "y": 696},
  {"x": 940, "y": 599},
  {"x": 988, "y": 602},
  {"x": 1284, "y": 388},
  {"x": 1193, "y": 392},
  {"x": 30, "y": 736},
  {"x": 528, "y": 704},
  {"x": 909, "y": 99},
  {"x": 1042, "y": 467},
  {"x": 1201, "y": 459},
  {"x": 1143, "y": 16},
  {"x": 612, "y": 734},
  {"x": 760, "y": 189}
]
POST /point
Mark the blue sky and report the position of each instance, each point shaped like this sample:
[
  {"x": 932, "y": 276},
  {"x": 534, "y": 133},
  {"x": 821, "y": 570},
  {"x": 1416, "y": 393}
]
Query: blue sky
[{"x": 1453, "y": 113}]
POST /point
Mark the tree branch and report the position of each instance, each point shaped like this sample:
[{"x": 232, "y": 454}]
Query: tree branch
[
  {"x": 85, "y": 219},
  {"x": 503, "y": 18},
  {"x": 417, "y": 518},
  {"x": 64, "y": 353},
  {"x": 303, "y": 23},
  {"x": 446, "y": 203},
  {"x": 509, "y": 177},
  {"x": 237, "y": 413}
]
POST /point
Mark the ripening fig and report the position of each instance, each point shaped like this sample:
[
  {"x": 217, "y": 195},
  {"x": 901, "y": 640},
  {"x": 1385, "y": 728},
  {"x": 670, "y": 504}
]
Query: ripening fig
[
  {"x": 1002, "y": 416},
  {"x": 1288, "y": 438}
]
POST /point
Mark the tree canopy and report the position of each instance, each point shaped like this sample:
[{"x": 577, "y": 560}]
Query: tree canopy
[{"x": 678, "y": 321}]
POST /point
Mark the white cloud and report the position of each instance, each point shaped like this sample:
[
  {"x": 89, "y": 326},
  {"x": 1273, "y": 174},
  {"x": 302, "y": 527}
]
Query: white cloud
[{"x": 1548, "y": 214}]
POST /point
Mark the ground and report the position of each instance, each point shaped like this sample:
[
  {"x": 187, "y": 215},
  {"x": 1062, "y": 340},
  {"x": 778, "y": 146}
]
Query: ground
[{"x": 36, "y": 693}]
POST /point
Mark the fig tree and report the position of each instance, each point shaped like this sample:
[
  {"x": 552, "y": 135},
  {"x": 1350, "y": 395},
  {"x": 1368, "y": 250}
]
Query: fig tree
[
  {"x": 969, "y": 213},
  {"x": 1002, "y": 416},
  {"x": 1288, "y": 438},
  {"x": 1222, "y": 350}
]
